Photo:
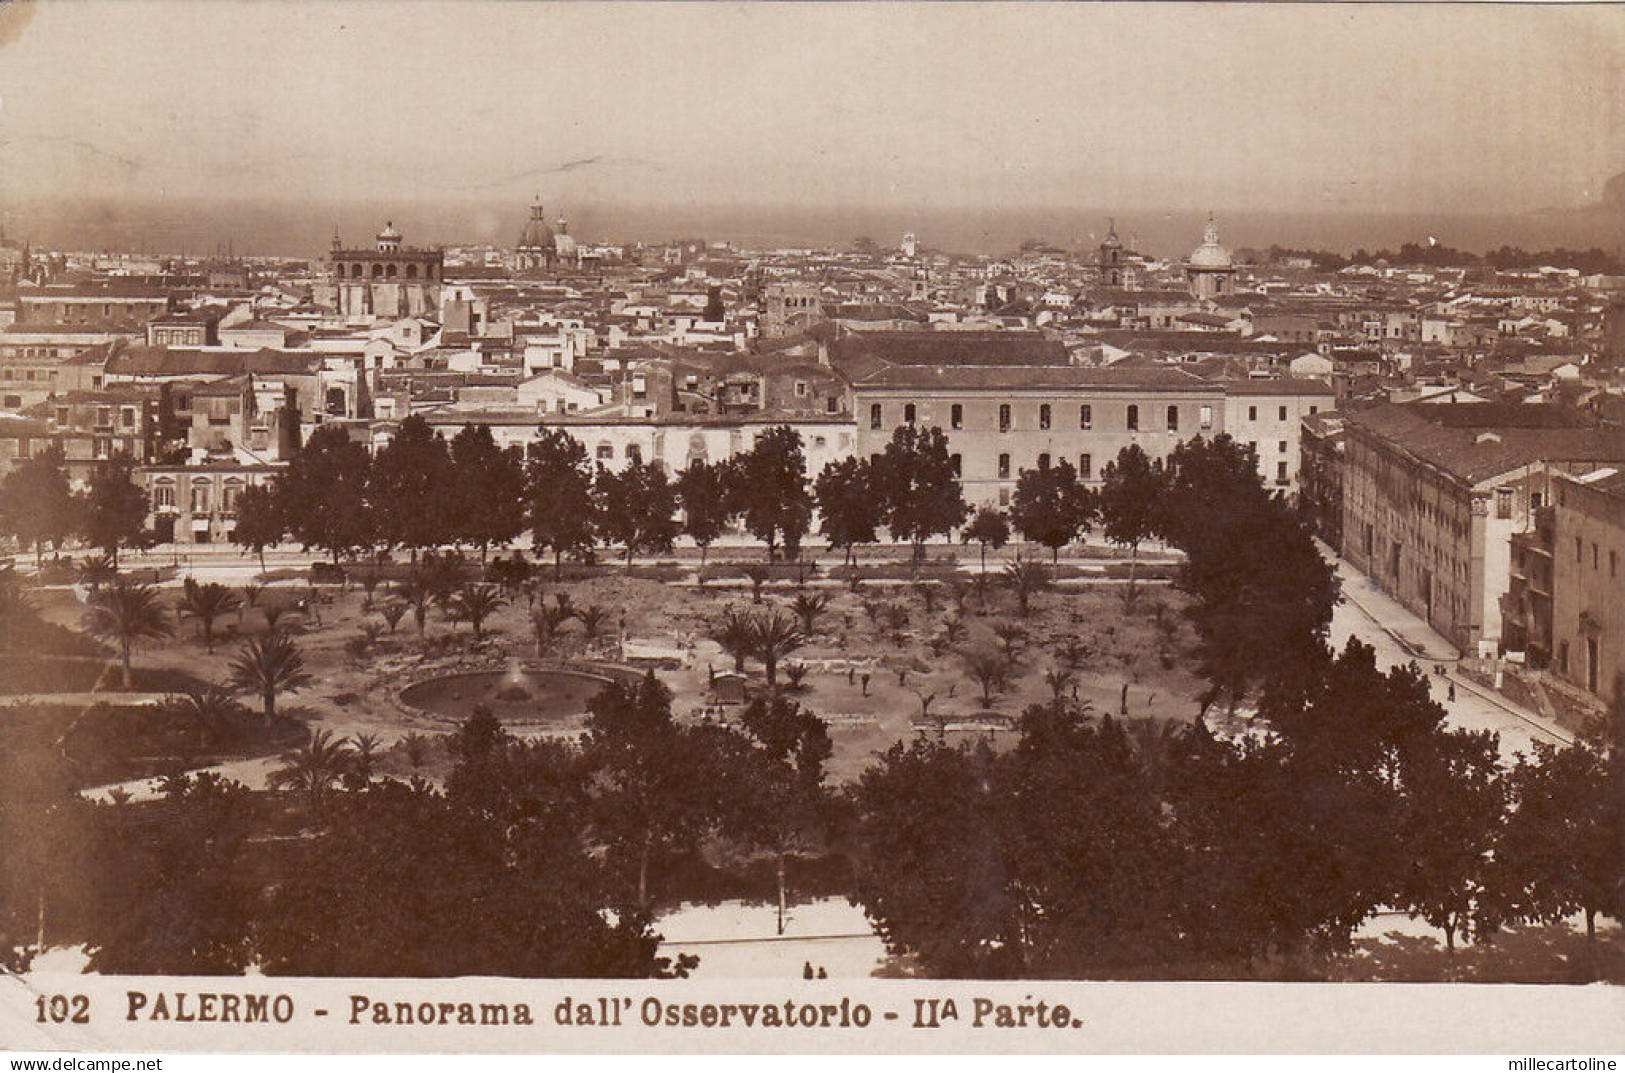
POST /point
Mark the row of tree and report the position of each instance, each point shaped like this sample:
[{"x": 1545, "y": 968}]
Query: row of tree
[
  {"x": 420, "y": 492},
  {"x": 1104, "y": 848},
  {"x": 1093, "y": 848},
  {"x": 38, "y": 506},
  {"x": 537, "y": 858}
]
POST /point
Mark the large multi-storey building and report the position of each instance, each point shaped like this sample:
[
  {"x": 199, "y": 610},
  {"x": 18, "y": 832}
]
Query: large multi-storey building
[
  {"x": 1000, "y": 420},
  {"x": 1588, "y": 581},
  {"x": 790, "y": 307},
  {"x": 1432, "y": 495},
  {"x": 673, "y": 441},
  {"x": 1320, "y": 475},
  {"x": 91, "y": 304},
  {"x": 197, "y": 504},
  {"x": 389, "y": 280},
  {"x": 1268, "y": 415}
]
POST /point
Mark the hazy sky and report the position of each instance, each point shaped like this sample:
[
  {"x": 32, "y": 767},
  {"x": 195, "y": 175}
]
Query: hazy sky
[{"x": 1302, "y": 108}]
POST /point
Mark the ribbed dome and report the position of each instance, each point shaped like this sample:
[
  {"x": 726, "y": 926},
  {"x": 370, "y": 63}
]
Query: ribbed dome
[
  {"x": 536, "y": 235},
  {"x": 1210, "y": 254}
]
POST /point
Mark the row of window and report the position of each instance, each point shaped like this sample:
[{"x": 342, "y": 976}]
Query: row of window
[
  {"x": 1086, "y": 465},
  {"x": 1046, "y": 415},
  {"x": 387, "y": 271},
  {"x": 1280, "y": 412},
  {"x": 1596, "y": 557},
  {"x": 43, "y": 351},
  {"x": 163, "y": 498},
  {"x": 633, "y": 453}
]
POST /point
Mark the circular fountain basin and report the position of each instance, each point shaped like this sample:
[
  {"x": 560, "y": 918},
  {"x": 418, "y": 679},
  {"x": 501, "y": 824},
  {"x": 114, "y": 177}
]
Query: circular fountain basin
[{"x": 515, "y": 696}]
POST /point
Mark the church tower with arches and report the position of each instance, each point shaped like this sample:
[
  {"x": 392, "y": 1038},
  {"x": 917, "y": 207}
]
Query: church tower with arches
[{"x": 390, "y": 280}]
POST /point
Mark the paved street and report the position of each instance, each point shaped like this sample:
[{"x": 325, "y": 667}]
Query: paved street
[{"x": 1400, "y": 637}]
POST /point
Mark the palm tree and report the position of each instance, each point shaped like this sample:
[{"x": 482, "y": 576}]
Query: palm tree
[
  {"x": 1010, "y": 636},
  {"x": 266, "y": 666},
  {"x": 392, "y": 613},
  {"x": 418, "y": 594},
  {"x": 273, "y": 614},
  {"x": 366, "y": 756},
  {"x": 211, "y": 710},
  {"x": 807, "y": 607},
  {"x": 206, "y": 603},
  {"x": 988, "y": 668},
  {"x": 125, "y": 612},
  {"x": 774, "y": 635},
  {"x": 592, "y": 618},
  {"x": 314, "y": 768},
  {"x": 546, "y": 620},
  {"x": 416, "y": 747},
  {"x": 251, "y": 596},
  {"x": 736, "y": 636},
  {"x": 474, "y": 603},
  {"x": 98, "y": 570},
  {"x": 1159, "y": 743},
  {"x": 1059, "y": 680},
  {"x": 1026, "y": 577}
]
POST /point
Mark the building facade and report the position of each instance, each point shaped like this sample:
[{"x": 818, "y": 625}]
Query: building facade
[
  {"x": 1588, "y": 581},
  {"x": 1432, "y": 495},
  {"x": 1000, "y": 420},
  {"x": 197, "y": 504},
  {"x": 1268, "y": 415},
  {"x": 389, "y": 280}
]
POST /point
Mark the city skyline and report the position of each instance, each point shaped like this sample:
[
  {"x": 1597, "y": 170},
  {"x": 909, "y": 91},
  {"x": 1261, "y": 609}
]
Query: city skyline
[{"x": 681, "y": 110}]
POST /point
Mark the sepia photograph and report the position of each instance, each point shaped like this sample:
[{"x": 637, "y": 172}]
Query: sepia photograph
[{"x": 551, "y": 527}]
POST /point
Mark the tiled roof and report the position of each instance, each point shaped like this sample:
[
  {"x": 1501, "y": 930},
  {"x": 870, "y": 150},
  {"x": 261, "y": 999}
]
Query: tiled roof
[
  {"x": 1186, "y": 342},
  {"x": 951, "y": 348},
  {"x": 161, "y": 361},
  {"x": 1031, "y": 377},
  {"x": 13, "y": 427},
  {"x": 1278, "y": 385},
  {"x": 1477, "y": 441}
]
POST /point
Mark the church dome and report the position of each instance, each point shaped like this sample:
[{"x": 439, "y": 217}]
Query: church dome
[
  {"x": 536, "y": 235},
  {"x": 1210, "y": 254},
  {"x": 389, "y": 234}
]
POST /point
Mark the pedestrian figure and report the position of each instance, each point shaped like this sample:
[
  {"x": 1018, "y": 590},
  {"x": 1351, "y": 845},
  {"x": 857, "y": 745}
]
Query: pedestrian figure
[
  {"x": 1122, "y": 706},
  {"x": 866, "y": 683},
  {"x": 822, "y": 975},
  {"x": 806, "y": 970},
  {"x": 1452, "y": 692}
]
